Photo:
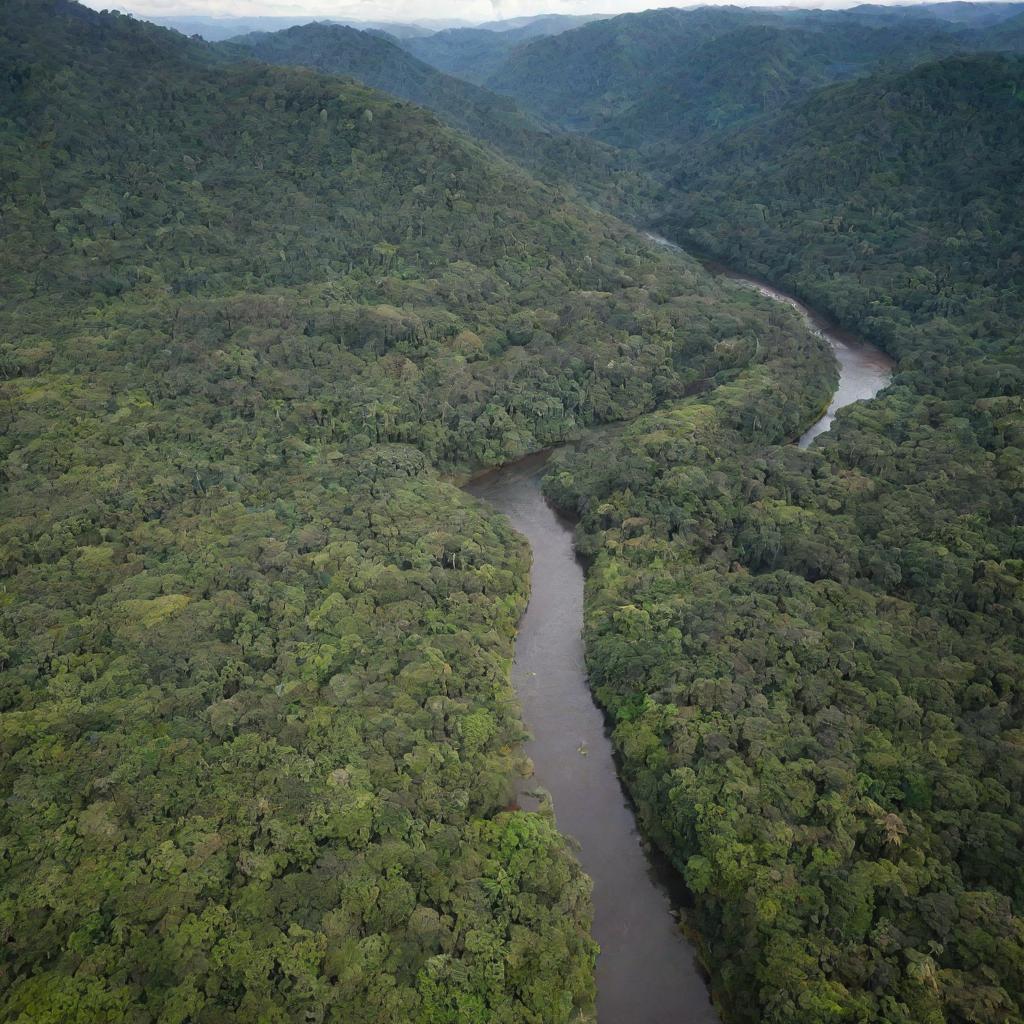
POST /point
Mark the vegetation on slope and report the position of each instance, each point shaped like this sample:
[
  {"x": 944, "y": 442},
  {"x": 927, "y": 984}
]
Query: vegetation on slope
[
  {"x": 475, "y": 53},
  {"x": 577, "y": 78},
  {"x": 814, "y": 659},
  {"x": 661, "y": 80},
  {"x": 753, "y": 70},
  {"x": 597, "y": 170},
  {"x": 257, "y": 727},
  {"x": 1005, "y": 35},
  {"x": 890, "y": 202}
]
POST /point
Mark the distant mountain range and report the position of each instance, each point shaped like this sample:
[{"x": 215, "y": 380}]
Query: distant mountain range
[
  {"x": 477, "y": 53},
  {"x": 654, "y": 82},
  {"x": 663, "y": 78},
  {"x": 216, "y": 29}
]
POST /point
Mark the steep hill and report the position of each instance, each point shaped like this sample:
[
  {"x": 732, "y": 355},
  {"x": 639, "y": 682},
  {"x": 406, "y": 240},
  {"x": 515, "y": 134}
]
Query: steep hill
[
  {"x": 554, "y": 155},
  {"x": 662, "y": 79},
  {"x": 913, "y": 168},
  {"x": 748, "y": 72},
  {"x": 580, "y": 77},
  {"x": 215, "y": 29},
  {"x": 258, "y": 731},
  {"x": 476, "y": 53}
]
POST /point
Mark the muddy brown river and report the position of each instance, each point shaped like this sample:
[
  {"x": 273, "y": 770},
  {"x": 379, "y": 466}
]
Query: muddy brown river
[
  {"x": 647, "y": 972},
  {"x": 863, "y": 369}
]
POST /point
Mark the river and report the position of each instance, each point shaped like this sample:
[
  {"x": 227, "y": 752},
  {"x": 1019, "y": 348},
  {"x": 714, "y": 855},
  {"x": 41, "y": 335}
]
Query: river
[
  {"x": 863, "y": 369},
  {"x": 647, "y": 972}
]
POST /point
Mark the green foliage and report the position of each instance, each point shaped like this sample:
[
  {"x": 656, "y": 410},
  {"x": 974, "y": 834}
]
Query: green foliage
[
  {"x": 596, "y": 170},
  {"x": 745, "y": 72},
  {"x": 900, "y": 185},
  {"x": 257, "y": 727},
  {"x": 662, "y": 80},
  {"x": 576, "y": 78},
  {"x": 476, "y": 53},
  {"x": 814, "y": 659},
  {"x": 258, "y": 731}
]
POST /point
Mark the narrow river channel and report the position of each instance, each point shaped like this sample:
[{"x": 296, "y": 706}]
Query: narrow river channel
[
  {"x": 863, "y": 369},
  {"x": 647, "y": 972}
]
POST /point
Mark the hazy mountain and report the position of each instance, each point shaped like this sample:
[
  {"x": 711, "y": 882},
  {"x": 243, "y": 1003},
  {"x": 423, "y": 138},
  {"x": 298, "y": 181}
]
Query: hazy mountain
[
  {"x": 959, "y": 12},
  {"x": 661, "y": 79},
  {"x": 755, "y": 70},
  {"x": 540, "y": 24},
  {"x": 476, "y": 53},
  {"x": 218, "y": 29},
  {"x": 1004, "y": 35},
  {"x": 581, "y": 77}
]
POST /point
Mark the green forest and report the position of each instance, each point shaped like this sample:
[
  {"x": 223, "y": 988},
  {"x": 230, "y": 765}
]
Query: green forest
[
  {"x": 266, "y": 302},
  {"x": 613, "y": 178},
  {"x": 814, "y": 659}
]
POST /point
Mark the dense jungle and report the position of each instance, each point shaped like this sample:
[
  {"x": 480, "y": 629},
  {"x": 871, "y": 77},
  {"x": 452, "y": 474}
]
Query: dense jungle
[{"x": 268, "y": 300}]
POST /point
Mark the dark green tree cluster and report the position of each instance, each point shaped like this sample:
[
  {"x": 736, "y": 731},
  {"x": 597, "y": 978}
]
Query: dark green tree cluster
[
  {"x": 815, "y": 659},
  {"x": 892, "y": 203},
  {"x": 257, "y": 729},
  {"x": 609, "y": 176}
]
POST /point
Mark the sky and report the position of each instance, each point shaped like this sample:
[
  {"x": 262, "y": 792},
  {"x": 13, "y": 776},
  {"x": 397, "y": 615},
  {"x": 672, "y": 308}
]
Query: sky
[{"x": 412, "y": 10}]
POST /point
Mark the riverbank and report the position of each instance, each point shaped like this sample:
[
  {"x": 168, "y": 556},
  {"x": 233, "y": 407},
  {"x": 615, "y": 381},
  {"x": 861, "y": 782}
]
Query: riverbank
[
  {"x": 864, "y": 369},
  {"x": 647, "y": 972}
]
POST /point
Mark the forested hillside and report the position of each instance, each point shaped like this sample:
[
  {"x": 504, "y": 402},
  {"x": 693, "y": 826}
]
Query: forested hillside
[
  {"x": 890, "y": 202},
  {"x": 660, "y": 80},
  {"x": 476, "y": 53},
  {"x": 257, "y": 729},
  {"x": 218, "y": 29},
  {"x": 1005, "y": 35},
  {"x": 258, "y": 741},
  {"x": 815, "y": 659},
  {"x": 754, "y": 70},
  {"x": 609, "y": 176},
  {"x": 961, "y": 12},
  {"x": 577, "y": 78}
]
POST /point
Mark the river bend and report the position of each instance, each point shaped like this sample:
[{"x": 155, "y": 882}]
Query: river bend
[
  {"x": 863, "y": 369},
  {"x": 647, "y": 972}
]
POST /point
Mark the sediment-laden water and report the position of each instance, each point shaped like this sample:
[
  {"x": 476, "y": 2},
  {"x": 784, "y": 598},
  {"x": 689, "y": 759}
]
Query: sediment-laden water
[{"x": 647, "y": 972}]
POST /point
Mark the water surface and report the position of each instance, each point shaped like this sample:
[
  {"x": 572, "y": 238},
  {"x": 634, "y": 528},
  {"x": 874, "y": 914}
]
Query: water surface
[
  {"x": 646, "y": 973},
  {"x": 864, "y": 369}
]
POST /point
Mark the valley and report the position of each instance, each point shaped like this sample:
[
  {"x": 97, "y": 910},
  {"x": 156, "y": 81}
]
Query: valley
[
  {"x": 702, "y": 699},
  {"x": 646, "y": 971}
]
